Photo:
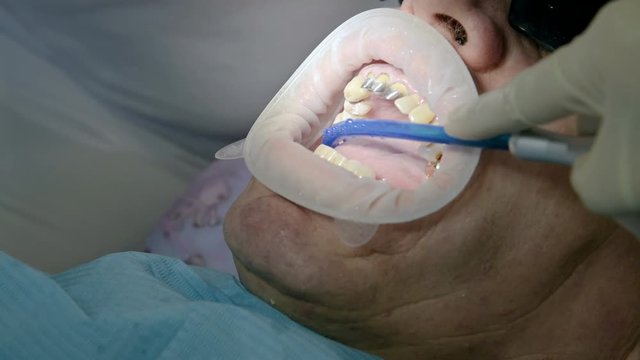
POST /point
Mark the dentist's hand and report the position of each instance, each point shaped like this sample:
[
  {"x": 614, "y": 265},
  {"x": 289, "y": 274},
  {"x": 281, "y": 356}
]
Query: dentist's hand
[{"x": 596, "y": 76}]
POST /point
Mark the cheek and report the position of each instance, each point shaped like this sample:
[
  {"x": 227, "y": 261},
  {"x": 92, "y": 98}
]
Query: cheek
[
  {"x": 276, "y": 239},
  {"x": 516, "y": 62},
  {"x": 519, "y": 54},
  {"x": 294, "y": 252},
  {"x": 260, "y": 228}
]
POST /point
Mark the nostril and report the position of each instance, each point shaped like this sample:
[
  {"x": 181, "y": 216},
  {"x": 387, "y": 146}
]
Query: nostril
[{"x": 454, "y": 27}]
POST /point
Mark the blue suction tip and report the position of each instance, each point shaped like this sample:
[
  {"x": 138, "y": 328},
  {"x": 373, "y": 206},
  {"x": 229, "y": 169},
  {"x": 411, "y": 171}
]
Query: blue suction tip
[{"x": 405, "y": 130}]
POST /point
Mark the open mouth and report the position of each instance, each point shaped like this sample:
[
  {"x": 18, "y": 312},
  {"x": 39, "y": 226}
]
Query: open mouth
[
  {"x": 382, "y": 91},
  {"x": 382, "y": 64}
]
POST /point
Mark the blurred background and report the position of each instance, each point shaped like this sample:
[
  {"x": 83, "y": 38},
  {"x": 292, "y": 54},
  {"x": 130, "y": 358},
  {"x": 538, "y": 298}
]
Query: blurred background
[{"x": 110, "y": 108}]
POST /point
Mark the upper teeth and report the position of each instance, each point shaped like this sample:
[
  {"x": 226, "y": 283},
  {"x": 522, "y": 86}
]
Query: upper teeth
[
  {"x": 407, "y": 103},
  {"x": 380, "y": 83},
  {"x": 358, "y": 109},
  {"x": 368, "y": 82},
  {"x": 395, "y": 91},
  {"x": 354, "y": 90},
  {"x": 359, "y": 89},
  {"x": 422, "y": 114}
]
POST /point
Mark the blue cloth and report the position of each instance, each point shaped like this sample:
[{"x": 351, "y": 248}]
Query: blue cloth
[{"x": 144, "y": 306}]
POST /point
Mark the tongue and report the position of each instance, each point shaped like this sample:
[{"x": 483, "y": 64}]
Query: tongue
[{"x": 394, "y": 161}]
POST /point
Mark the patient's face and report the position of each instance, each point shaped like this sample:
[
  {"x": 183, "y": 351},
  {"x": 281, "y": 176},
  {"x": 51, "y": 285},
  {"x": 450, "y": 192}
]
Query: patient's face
[{"x": 474, "y": 278}]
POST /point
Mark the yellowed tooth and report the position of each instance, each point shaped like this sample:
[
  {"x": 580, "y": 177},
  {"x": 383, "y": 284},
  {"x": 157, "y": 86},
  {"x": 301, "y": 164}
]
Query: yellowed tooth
[
  {"x": 330, "y": 154},
  {"x": 422, "y": 114},
  {"x": 324, "y": 151},
  {"x": 347, "y": 115},
  {"x": 396, "y": 91},
  {"x": 339, "y": 118},
  {"x": 337, "y": 159},
  {"x": 407, "y": 103},
  {"x": 431, "y": 152},
  {"x": 358, "y": 109},
  {"x": 381, "y": 83},
  {"x": 358, "y": 168},
  {"x": 384, "y": 78},
  {"x": 354, "y": 91},
  {"x": 369, "y": 81}
]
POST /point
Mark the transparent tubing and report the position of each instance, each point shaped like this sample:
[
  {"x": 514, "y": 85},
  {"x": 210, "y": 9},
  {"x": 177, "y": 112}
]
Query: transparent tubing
[{"x": 276, "y": 149}]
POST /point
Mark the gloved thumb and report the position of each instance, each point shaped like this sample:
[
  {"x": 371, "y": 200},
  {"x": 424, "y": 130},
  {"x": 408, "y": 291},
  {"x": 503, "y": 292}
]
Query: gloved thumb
[
  {"x": 538, "y": 95},
  {"x": 606, "y": 178}
]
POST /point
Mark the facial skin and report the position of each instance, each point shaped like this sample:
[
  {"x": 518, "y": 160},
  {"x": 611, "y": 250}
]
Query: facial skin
[{"x": 514, "y": 268}]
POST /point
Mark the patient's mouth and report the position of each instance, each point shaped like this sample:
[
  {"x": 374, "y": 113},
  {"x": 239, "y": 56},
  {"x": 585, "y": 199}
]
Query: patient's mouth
[
  {"x": 380, "y": 64},
  {"x": 381, "y": 91},
  {"x": 384, "y": 92}
]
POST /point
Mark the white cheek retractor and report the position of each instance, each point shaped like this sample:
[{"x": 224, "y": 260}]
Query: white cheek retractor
[{"x": 277, "y": 148}]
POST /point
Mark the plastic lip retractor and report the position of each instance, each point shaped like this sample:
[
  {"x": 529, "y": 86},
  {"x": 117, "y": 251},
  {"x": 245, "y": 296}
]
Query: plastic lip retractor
[
  {"x": 545, "y": 147},
  {"x": 279, "y": 148}
]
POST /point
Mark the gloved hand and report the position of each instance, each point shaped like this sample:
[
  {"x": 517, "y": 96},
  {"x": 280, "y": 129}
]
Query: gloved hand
[{"x": 595, "y": 76}]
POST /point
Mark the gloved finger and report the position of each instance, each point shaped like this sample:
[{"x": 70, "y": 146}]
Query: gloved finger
[
  {"x": 587, "y": 125},
  {"x": 606, "y": 178},
  {"x": 538, "y": 95},
  {"x": 631, "y": 222}
]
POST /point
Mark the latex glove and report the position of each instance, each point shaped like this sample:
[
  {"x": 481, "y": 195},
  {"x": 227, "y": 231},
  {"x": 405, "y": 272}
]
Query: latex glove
[{"x": 595, "y": 76}]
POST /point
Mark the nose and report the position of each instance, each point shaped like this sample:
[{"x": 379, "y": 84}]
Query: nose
[{"x": 472, "y": 27}]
